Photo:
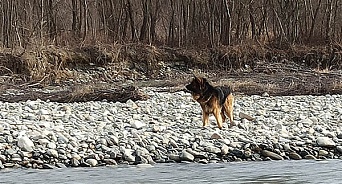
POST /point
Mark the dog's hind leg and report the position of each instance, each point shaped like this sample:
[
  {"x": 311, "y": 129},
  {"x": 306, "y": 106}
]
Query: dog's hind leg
[
  {"x": 228, "y": 106},
  {"x": 223, "y": 115}
]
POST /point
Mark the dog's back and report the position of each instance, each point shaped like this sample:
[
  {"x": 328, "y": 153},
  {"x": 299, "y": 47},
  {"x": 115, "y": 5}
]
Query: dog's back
[{"x": 223, "y": 92}]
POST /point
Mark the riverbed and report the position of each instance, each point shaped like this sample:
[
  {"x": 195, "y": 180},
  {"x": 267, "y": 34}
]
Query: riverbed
[{"x": 167, "y": 128}]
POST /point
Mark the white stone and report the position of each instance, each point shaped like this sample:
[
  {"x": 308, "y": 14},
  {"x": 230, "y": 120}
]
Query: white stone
[
  {"x": 43, "y": 142},
  {"x": 52, "y": 152},
  {"x": 51, "y": 145},
  {"x": 225, "y": 141},
  {"x": 61, "y": 138},
  {"x": 43, "y": 112},
  {"x": 213, "y": 149},
  {"x": 144, "y": 166},
  {"x": 224, "y": 149},
  {"x": 311, "y": 131},
  {"x": 137, "y": 124},
  {"x": 131, "y": 104},
  {"x": 136, "y": 116},
  {"x": 32, "y": 104},
  {"x": 186, "y": 156},
  {"x": 25, "y": 142},
  {"x": 92, "y": 162},
  {"x": 325, "y": 142},
  {"x": 128, "y": 154},
  {"x": 323, "y": 153}
]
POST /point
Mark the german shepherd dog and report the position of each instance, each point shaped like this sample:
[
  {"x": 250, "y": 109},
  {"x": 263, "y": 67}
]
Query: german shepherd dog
[{"x": 216, "y": 100}]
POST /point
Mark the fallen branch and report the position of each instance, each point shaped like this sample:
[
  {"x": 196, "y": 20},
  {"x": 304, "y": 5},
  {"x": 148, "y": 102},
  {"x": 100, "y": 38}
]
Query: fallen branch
[{"x": 116, "y": 94}]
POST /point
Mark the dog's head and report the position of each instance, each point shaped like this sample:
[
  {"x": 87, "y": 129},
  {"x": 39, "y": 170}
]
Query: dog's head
[{"x": 197, "y": 85}]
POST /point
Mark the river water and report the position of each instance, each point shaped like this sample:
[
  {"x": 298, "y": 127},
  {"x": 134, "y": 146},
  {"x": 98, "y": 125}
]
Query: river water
[{"x": 304, "y": 171}]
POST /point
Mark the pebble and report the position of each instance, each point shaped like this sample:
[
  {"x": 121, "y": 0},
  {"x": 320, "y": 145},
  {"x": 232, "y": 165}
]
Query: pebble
[
  {"x": 311, "y": 157},
  {"x": 137, "y": 124},
  {"x": 60, "y": 165},
  {"x": 323, "y": 153},
  {"x": 246, "y": 116},
  {"x": 144, "y": 166},
  {"x": 339, "y": 149},
  {"x": 224, "y": 149},
  {"x": 48, "y": 166},
  {"x": 295, "y": 156},
  {"x": 92, "y": 162},
  {"x": 110, "y": 161},
  {"x": 216, "y": 135},
  {"x": 167, "y": 128},
  {"x": 174, "y": 157},
  {"x": 52, "y": 153}
]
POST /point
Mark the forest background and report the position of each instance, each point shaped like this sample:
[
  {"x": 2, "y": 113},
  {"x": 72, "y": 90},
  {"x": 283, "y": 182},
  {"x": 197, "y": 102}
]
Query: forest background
[{"x": 296, "y": 43}]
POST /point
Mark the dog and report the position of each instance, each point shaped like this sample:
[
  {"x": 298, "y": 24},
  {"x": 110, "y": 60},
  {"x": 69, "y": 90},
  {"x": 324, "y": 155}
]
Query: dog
[{"x": 213, "y": 100}]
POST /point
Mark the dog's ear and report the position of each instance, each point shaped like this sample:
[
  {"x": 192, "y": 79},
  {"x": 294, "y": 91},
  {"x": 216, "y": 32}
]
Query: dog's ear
[
  {"x": 197, "y": 79},
  {"x": 203, "y": 83}
]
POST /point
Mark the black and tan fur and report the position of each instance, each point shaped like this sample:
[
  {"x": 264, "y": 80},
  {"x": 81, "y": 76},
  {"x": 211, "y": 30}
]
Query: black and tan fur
[{"x": 213, "y": 100}]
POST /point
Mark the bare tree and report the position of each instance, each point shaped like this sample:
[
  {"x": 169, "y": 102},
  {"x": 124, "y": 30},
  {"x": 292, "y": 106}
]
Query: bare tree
[{"x": 177, "y": 23}]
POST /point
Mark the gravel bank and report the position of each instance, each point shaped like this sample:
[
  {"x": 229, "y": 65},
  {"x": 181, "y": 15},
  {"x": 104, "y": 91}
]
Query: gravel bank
[{"x": 167, "y": 128}]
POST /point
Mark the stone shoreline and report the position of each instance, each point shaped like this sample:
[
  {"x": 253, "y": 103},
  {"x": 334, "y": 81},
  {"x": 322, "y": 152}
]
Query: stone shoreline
[{"x": 167, "y": 128}]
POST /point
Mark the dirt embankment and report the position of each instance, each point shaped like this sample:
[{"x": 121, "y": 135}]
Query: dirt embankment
[{"x": 115, "y": 73}]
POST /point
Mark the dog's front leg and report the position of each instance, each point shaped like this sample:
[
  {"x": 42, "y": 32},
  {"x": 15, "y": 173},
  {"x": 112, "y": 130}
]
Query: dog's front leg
[
  {"x": 217, "y": 114},
  {"x": 223, "y": 116},
  {"x": 205, "y": 118}
]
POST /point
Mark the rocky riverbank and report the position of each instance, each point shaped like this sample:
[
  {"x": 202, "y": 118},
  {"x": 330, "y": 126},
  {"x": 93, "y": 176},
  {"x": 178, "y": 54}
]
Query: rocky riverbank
[{"x": 167, "y": 128}]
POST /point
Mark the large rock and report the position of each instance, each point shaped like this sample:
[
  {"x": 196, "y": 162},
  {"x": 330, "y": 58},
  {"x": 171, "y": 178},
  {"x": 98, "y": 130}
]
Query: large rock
[
  {"x": 186, "y": 156},
  {"x": 272, "y": 155},
  {"x": 174, "y": 157},
  {"x": 25, "y": 142},
  {"x": 128, "y": 154},
  {"x": 325, "y": 142},
  {"x": 213, "y": 149}
]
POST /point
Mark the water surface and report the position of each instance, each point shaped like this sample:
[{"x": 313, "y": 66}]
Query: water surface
[{"x": 304, "y": 171}]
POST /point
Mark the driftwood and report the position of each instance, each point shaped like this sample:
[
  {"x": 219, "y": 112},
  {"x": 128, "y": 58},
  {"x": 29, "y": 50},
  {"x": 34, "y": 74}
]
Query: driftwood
[{"x": 74, "y": 94}]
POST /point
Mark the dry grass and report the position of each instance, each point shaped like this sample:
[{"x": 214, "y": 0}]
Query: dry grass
[
  {"x": 336, "y": 87},
  {"x": 254, "y": 86},
  {"x": 251, "y": 69},
  {"x": 49, "y": 63}
]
